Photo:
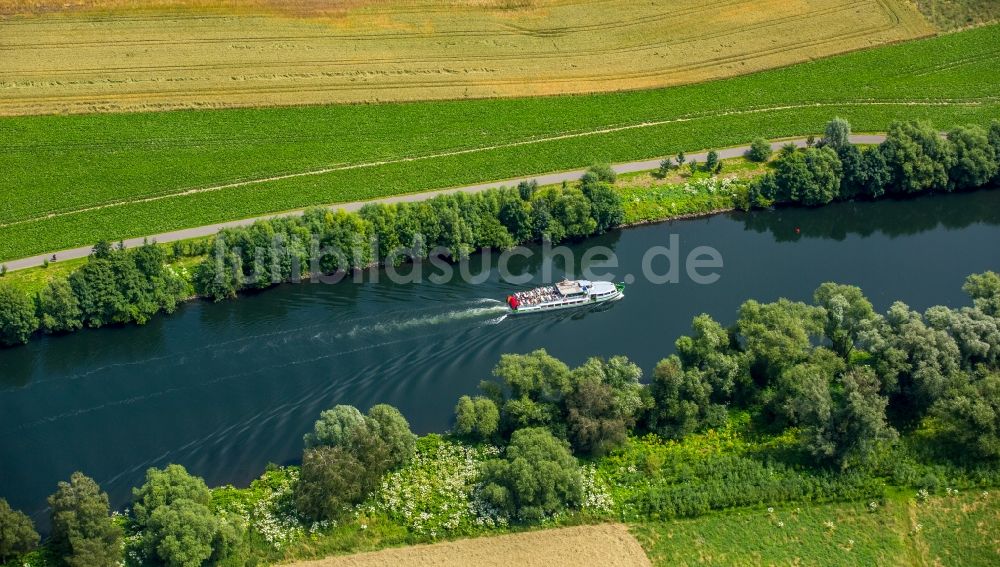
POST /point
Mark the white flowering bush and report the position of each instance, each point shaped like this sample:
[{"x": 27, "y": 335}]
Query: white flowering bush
[
  {"x": 596, "y": 493},
  {"x": 268, "y": 508},
  {"x": 437, "y": 493},
  {"x": 712, "y": 186}
]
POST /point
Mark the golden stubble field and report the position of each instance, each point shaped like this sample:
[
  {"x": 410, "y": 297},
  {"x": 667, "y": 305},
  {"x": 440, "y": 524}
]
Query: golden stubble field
[
  {"x": 113, "y": 55},
  {"x": 607, "y": 545}
]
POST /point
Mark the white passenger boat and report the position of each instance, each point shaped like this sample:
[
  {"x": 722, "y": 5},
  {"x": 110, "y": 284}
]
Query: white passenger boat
[{"x": 564, "y": 295}]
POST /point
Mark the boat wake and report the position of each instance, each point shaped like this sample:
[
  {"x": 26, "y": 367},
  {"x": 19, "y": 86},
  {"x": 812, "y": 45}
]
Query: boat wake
[{"x": 494, "y": 308}]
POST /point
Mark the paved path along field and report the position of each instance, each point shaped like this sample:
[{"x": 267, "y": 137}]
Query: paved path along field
[{"x": 547, "y": 179}]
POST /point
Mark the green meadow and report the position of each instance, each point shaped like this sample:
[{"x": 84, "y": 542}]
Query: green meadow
[{"x": 904, "y": 531}]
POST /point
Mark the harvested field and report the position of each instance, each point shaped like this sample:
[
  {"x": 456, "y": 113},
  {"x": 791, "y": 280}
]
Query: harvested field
[
  {"x": 90, "y": 56},
  {"x": 608, "y": 545}
]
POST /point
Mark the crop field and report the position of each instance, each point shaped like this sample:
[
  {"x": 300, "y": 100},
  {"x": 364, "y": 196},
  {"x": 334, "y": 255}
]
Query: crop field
[
  {"x": 71, "y": 180},
  {"x": 951, "y": 530},
  {"x": 197, "y": 54},
  {"x": 608, "y": 545}
]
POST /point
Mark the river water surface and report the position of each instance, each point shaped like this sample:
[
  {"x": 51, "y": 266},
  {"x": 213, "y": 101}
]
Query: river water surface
[{"x": 226, "y": 388}]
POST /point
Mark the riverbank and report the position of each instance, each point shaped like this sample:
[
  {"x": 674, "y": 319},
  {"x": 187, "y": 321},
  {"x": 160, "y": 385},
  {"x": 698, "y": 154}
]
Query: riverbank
[
  {"x": 243, "y": 378},
  {"x": 646, "y": 197}
]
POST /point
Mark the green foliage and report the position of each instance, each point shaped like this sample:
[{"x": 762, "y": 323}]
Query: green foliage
[
  {"x": 605, "y": 205},
  {"x": 760, "y": 150},
  {"x": 181, "y": 533},
  {"x": 393, "y": 429},
  {"x": 537, "y": 477},
  {"x": 975, "y": 158},
  {"x": 778, "y": 335},
  {"x": 897, "y": 531},
  {"x": 322, "y": 241},
  {"x": 17, "y": 316},
  {"x": 58, "y": 308},
  {"x": 476, "y": 418},
  {"x": 334, "y": 427},
  {"x": 83, "y": 532},
  {"x": 682, "y": 401},
  {"x": 848, "y": 313},
  {"x": 701, "y": 195},
  {"x": 656, "y": 479},
  {"x": 593, "y": 405},
  {"x": 666, "y": 166},
  {"x": 984, "y": 289},
  {"x": 347, "y": 454},
  {"x": 919, "y": 159},
  {"x": 600, "y": 173},
  {"x": 164, "y": 487},
  {"x": 709, "y": 350},
  {"x": 837, "y": 134},
  {"x": 173, "y": 511},
  {"x": 711, "y": 160},
  {"x": 126, "y": 286},
  {"x": 967, "y": 417},
  {"x": 604, "y": 402},
  {"x": 811, "y": 177},
  {"x": 437, "y": 494},
  {"x": 17, "y": 532},
  {"x": 536, "y": 382},
  {"x": 912, "y": 359},
  {"x": 842, "y": 420},
  {"x": 332, "y": 480}
]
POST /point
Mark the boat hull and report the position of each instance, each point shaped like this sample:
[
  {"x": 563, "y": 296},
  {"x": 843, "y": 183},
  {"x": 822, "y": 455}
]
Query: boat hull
[{"x": 563, "y": 305}]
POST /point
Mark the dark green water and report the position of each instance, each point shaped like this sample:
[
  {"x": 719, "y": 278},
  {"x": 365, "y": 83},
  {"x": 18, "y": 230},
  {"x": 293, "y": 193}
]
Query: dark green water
[{"x": 226, "y": 388}]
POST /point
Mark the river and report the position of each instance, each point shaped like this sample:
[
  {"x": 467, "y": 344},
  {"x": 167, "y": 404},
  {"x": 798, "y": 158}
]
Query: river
[{"x": 226, "y": 388}]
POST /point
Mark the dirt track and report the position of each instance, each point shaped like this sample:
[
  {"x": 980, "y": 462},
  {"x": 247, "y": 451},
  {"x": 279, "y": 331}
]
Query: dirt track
[{"x": 607, "y": 545}]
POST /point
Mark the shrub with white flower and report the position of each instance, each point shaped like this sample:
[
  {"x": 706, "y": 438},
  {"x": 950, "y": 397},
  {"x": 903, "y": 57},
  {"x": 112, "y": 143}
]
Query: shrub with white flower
[
  {"x": 712, "y": 186},
  {"x": 437, "y": 492},
  {"x": 268, "y": 508},
  {"x": 596, "y": 493}
]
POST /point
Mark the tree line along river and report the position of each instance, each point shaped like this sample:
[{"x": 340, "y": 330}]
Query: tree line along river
[{"x": 226, "y": 388}]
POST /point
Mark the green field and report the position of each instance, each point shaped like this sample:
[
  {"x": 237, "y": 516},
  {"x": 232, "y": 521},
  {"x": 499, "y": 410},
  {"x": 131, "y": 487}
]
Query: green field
[
  {"x": 71, "y": 180},
  {"x": 956, "y": 530}
]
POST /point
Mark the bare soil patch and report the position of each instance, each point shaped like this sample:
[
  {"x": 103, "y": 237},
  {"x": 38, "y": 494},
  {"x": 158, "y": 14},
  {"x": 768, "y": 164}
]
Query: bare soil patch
[{"x": 607, "y": 545}]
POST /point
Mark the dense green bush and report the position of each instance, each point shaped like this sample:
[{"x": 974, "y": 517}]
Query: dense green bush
[
  {"x": 537, "y": 477},
  {"x": 346, "y": 455},
  {"x": 17, "y": 532},
  {"x": 332, "y": 479},
  {"x": 178, "y": 527},
  {"x": 83, "y": 532},
  {"x": 114, "y": 287},
  {"x": 914, "y": 158},
  {"x": 760, "y": 150},
  {"x": 476, "y": 418},
  {"x": 334, "y": 426},
  {"x": 453, "y": 225},
  {"x": 17, "y": 316}
]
